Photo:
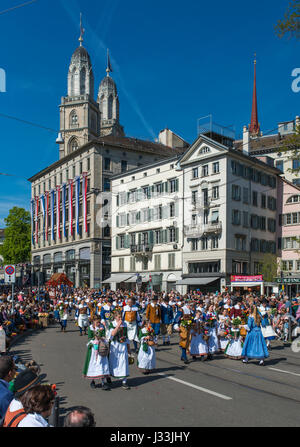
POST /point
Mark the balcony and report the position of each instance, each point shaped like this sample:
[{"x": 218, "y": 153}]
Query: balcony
[
  {"x": 140, "y": 249},
  {"x": 202, "y": 230}
]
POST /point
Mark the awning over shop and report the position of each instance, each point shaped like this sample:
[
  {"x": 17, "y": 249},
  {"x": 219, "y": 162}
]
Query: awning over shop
[
  {"x": 145, "y": 278},
  {"x": 196, "y": 281},
  {"x": 117, "y": 277}
]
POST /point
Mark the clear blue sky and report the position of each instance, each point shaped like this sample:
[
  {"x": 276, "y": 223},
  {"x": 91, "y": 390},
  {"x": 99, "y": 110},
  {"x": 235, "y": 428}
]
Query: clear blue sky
[{"x": 173, "y": 62}]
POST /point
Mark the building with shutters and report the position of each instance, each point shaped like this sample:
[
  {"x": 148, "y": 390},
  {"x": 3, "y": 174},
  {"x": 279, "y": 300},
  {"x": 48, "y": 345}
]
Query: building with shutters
[
  {"x": 193, "y": 221},
  {"x": 71, "y": 230}
]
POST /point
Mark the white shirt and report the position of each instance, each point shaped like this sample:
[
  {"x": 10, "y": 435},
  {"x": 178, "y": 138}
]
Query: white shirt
[{"x": 33, "y": 420}]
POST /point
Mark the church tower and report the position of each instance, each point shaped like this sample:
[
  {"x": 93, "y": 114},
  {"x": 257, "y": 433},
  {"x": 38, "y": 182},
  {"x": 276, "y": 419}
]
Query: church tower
[
  {"x": 79, "y": 112},
  {"x": 108, "y": 101}
]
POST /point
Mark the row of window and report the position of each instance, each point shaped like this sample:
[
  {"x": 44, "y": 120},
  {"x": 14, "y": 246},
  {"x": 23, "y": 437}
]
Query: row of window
[
  {"x": 256, "y": 222},
  {"x": 41, "y": 188},
  {"x": 263, "y": 246},
  {"x": 265, "y": 201},
  {"x": 203, "y": 171},
  {"x": 205, "y": 243},
  {"x": 144, "y": 263},
  {"x": 84, "y": 253},
  {"x": 161, "y": 236},
  {"x": 291, "y": 243},
  {"x": 159, "y": 212},
  {"x": 148, "y": 192},
  {"x": 252, "y": 174},
  {"x": 289, "y": 219},
  {"x": 69, "y": 237},
  {"x": 290, "y": 265}
]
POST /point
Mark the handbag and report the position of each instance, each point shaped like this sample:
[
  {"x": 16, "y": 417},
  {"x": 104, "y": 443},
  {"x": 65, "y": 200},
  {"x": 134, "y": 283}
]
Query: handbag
[{"x": 103, "y": 348}]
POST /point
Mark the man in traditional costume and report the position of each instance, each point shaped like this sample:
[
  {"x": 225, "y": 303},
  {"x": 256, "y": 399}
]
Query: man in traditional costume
[
  {"x": 166, "y": 320},
  {"x": 153, "y": 315},
  {"x": 83, "y": 317}
]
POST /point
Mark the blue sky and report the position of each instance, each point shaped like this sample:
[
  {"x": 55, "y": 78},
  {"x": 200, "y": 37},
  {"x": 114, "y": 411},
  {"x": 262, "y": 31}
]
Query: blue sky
[{"x": 173, "y": 62}]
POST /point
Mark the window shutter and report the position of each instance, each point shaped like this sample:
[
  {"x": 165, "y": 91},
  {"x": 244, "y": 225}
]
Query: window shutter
[
  {"x": 127, "y": 217},
  {"x": 117, "y": 219},
  {"x": 117, "y": 243},
  {"x": 150, "y": 237},
  {"x": 166, "y": 186},
  {"x": 177, "y": 185},
  {"x": 118, "y": 200},
  {"x": 176, "y": 234},
  {"x": 177, "y": 209}
]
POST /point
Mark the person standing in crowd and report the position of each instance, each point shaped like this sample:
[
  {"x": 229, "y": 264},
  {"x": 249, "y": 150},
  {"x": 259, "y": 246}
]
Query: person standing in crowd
[
  {"x": 255, "y": 346},
  {"x": 83, "y": 318},
  {"x": 132, "y": 318},
  {"x": 166, "y": 320},
  {"x": 106, "y": 313},
  {"x": 146, "y": 356},
  {"x": 153, "y": 315},
  {"x": 119, "y": 349},
  {"x": 7, "y": 374}
]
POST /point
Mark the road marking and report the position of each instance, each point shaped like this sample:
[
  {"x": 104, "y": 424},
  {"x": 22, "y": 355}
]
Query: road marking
[
  {"x": 287, "y": 372},
  {"x": 205, "y": 390}
]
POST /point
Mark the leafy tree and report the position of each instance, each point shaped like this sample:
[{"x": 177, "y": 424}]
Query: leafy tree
[
  {"x": 290, "y": 25},
  {"x": 269, "y": 267},
  {"x": 17, "y": 243}
]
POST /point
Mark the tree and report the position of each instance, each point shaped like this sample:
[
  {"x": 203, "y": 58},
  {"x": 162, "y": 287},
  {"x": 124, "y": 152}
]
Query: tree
[
  {"x": 17, "y": 244},
  {"x": 290, "y": 25},
  {"x": 269, "y": 267}
]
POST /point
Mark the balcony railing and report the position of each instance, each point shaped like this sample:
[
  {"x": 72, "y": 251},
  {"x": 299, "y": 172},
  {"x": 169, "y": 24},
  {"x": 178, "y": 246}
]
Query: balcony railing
[
  {"x": 200, "y": 230},
  {"x": 141, "y": 248}
]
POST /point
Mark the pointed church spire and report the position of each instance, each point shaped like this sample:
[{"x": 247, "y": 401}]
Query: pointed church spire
[
  {"x": 82, "y": 30},
  {"x": 254, "y": 125},
  {"x": 108, "y": 64}
]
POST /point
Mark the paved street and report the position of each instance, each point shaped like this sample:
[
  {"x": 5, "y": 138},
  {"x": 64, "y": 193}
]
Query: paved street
[{"x": 221, "y": 392}]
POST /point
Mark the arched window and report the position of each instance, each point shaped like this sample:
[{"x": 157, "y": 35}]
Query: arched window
[
  {"x": 73, "y": 145},
  {"x": 110, "y": 107},
  {"x": 293, "y": 199},
  {"x": 73, "y": 119},
  {"x": 82, "y": 81}
]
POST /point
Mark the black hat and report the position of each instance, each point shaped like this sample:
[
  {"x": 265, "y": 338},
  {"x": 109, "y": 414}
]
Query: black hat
[{"x": 25, "y": 380}]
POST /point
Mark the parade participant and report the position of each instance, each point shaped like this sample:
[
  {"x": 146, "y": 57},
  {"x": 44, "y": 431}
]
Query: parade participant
[
  {"x": 106, "y": 313},
  {"x": 255, "y": 346},
  {"x": 198, "y": 344},
  {"x": 153, "y": 314},
  {"x": 146, "y": 356},
  {"x": 166, "y": 320},
  {"x": 83, "y": 318},
  {"x": 184, "y": 329},
  {"x": 212, "y": 324},
  {"x": 236, "y": 310},
  {"x": 119, "y": 349},
  {"x": 234, "y": 346},
  {"x": 223, "y": 325},
  {"x": 63, "y": 314},
  {"x": 132, "y": 318},
  {"x": 96, "y": 362},
  {"x": 266, "y": 327}
]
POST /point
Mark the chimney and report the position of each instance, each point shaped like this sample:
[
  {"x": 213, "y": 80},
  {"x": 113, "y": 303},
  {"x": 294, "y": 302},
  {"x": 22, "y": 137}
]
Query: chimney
[{"x": 246, "y": 140}]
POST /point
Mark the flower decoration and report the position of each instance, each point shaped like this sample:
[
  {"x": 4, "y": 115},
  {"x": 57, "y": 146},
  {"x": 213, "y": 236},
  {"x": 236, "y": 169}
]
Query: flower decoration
[{"x": 236, "y": 321}]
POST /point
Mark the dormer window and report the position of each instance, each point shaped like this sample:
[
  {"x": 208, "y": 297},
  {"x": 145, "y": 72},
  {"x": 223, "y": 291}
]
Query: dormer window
[
  {"x": 204, "y": 150},
  {"x": 293, "y": 199}
]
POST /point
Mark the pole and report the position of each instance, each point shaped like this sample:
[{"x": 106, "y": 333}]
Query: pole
[{"x": 12, "y": 296}]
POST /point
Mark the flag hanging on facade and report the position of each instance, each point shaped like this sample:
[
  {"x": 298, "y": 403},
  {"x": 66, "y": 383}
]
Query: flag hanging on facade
[
  {"x": 84, "y": 200},
  {"x": 64, "y": 209},
  {"x": 52, "y": 214},
  {"x": 58, "y": 212},
  {"x": 70, "y": 200},
  {"x": 47, "y": 212},
  {"x": 77, "y": 190},
  {"x": 36, "y": 219},
  {"x": 42, "y": 200},
  {"x": 32, "y": 221}
]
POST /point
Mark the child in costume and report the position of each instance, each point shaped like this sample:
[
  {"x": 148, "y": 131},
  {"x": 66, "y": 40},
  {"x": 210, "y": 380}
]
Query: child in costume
[
  {"x": 198, "y": 345},
  {"x": 223, "y": 329},
  {"x": 146, "y": 355},
  {"x": 96, "y": 363},
  {"x": 184, "y": 329},
  {"x": 234, "y": 346}
]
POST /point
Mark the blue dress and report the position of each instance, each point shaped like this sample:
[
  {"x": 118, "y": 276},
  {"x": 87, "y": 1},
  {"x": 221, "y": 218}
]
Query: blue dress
[{"x": 255, "y": 346}]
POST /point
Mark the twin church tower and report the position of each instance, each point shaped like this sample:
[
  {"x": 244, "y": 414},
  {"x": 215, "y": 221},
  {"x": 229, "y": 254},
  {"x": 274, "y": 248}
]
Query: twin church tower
[{"x": 81, "y": 117}]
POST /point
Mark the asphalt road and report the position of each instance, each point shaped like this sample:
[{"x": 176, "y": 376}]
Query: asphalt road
[{"x": 220, "y": 392}]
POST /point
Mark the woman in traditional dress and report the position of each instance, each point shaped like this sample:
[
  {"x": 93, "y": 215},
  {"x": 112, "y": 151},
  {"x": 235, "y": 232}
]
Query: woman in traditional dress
[
  {"x": 266, "y": 327},
  {"x": 96, "y": 362},
  {"x": 146, "y": 355},
  {"x": 119, "y": 349},
  {"x": 213, "y": 341},
  {"x": 255, "y": 346},
  {"x": 198, "y": 345},
  {"x": 223, "y": 325},
  {"x": 234, "y": 346}
]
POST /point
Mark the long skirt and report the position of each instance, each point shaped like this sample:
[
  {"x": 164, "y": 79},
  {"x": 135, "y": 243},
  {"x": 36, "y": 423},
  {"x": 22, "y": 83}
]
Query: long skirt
[
  {"x": 234, "y": 349},
  {"x": 198, "y": 346},
  {"x": 146, "y": 360},
  {"x": 98, "y": 366},
  {"x": 213, "y": 342},
  {"x": 118, "y": 359},
  {"x": 255, "y": 346}
]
